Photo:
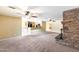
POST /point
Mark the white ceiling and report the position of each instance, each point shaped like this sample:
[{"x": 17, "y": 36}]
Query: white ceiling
[
  {"x": 44, "y": 11},
  {"x": 52, "y": 11},
  {"x": 5, "y": 10}
]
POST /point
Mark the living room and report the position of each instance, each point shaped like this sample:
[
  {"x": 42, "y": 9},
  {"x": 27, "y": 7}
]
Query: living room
[{"x": 33, "y": 28}]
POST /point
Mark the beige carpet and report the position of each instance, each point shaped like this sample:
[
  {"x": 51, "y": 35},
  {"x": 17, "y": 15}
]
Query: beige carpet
[{"x": 43, "y": 42}]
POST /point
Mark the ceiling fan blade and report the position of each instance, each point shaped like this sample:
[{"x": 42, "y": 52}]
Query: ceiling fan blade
[
  {"x": 27, "y": 13},
  {"x": 11, "y": 7}
]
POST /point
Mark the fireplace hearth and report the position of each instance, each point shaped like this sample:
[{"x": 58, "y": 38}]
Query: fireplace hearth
[{"x": 70, "y": 28}]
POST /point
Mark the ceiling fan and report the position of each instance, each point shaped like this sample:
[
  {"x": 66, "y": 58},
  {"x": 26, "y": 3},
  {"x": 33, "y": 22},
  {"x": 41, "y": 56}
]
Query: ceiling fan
[{"x": 20, "y": 11}]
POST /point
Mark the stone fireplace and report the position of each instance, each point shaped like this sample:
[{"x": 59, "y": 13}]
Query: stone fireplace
[{"x": 71, "y": 27}]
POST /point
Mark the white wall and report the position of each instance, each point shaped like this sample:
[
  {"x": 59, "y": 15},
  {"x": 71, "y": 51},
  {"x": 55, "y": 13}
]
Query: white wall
[{"x": 56, "y": 26}]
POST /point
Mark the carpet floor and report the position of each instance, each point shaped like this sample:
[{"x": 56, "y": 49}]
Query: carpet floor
[{"x": 44, "y": 42}]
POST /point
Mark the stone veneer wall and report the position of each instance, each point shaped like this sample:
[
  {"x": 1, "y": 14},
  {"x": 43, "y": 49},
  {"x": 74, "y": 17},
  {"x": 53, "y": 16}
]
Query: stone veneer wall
[{"x": 71, "y": 27}]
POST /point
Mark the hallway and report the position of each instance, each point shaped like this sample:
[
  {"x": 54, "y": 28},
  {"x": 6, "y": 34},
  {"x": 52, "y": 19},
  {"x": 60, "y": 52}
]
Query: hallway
[{"x": 43, "y": 42}]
